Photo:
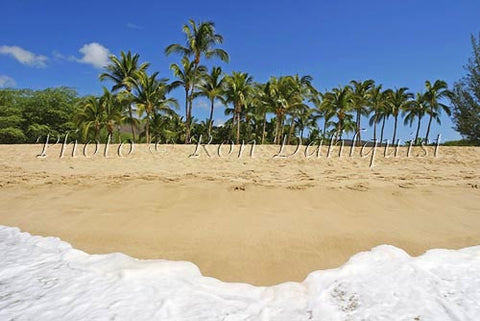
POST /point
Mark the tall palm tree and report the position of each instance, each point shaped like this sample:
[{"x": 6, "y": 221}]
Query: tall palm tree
[
  {"x": 120, "y": 71},
  {"x": 186, "y": 75},
  {"x": 201, "y": 40},
  {"x": 417, "y": 109},
  {"x": 400, "y": 100},
  {"x": 150, "y": 96},
  {"x": 238, "y": 86},
  {"x": 211, "y": 87},
  {"x": 433, "y": 96},
  {"x": 301, "y": 89},
  {"x": 378, "y": 102},
  {"x": 263, "y": 105},
  {"x": 360, "y": 102},
  {"x": 340, "y": 100}
]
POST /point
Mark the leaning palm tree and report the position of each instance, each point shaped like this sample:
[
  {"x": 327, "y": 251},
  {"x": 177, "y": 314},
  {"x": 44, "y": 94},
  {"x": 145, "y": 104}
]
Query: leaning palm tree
[
  {"x": 360, "y": 102},
  {"x": 120, "y": 70},
  {"x": 433, "y": 95},
  {"x": 201, "y": 40},
  {"x": 186, "y": 75},
  {"x": 417, "y": 109},
  {"x": 211, "y": 87},
  {"x": 150, "y": 96},
  {"x": 400, "y": 100},
  {"x": 238, "y": 86}
]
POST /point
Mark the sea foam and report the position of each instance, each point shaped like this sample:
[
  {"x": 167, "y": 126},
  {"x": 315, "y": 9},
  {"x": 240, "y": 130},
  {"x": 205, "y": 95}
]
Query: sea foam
[{"x": 44, "y": 278}]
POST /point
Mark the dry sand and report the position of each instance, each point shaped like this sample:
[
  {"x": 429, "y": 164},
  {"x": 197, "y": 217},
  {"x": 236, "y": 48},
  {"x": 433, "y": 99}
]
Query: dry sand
[{"x": 258, "y": 220}]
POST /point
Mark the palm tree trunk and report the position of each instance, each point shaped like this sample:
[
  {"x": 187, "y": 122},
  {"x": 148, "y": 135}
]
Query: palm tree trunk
[
  {"x": 325, "y": 127},
  {"x": 130, "y": 114},
  {"x": 277, "y": 128},
  {"x": 418, "y": 129},
  {"x": 97, "y": 131},
  {"x": 375, "y": 128},
  {"x": 394, "y": 130},
  {"x": 210, "y": 120},
  {"x": 187, "y": 126},
  {"x": 428, "y": 128},
  {"x": 291, "y": 131},
  {"x": 280, "y": 134},
  {"x": 238, "y": 125},
  {"x": 359, "y": 137},
  {"x": 383, "y": 127},
  {"x": 264, "y": 126}
]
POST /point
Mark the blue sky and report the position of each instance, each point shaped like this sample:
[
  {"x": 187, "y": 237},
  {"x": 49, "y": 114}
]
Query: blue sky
[{"x": 398, "y": 43}]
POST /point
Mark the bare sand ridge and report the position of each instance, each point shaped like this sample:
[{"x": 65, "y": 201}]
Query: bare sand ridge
[{"x": 258, "y": 220}]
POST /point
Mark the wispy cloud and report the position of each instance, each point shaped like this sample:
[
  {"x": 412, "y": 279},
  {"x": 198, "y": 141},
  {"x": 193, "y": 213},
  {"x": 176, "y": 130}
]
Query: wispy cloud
[
  {"x": 23, "y": 56},
  {"x": 6, "y": 81},
  {"x": 133, "y": 26},
  {"x": 94, "y": 54}
]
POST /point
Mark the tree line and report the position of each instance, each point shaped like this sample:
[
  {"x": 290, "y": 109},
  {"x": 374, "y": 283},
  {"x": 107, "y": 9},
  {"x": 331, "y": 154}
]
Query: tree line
[{"x": 139, "y": 106}]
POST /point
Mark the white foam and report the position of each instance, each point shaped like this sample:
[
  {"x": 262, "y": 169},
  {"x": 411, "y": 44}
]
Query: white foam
[{"x": 46, "y": 279}]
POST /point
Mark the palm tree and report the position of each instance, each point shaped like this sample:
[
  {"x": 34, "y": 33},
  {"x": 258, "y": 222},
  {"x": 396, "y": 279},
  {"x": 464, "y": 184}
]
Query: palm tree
[
  {"x": 120, "y": 71},
  {"x": 263, "y": 105},
  {"x": 112, "y": 109},
  {"x": 186, "y": 75},
  {"x": 90, "y": 117},
  {"x": 301, "y": 89},
  {"x": 417, "y": 109},
  {"x": 340, "y": 100},
  {"x": 201, "y": 40},
  {"x": 150, "y": 96},
  {"x": 360, "y": 102},
  {"x": 378, "y": 102},
  {"x": 212, "y": 88},
  {"x": 433, "y": 95},
  {"x": 238, "y": 86},
  {"x": 400, "y": 100}
]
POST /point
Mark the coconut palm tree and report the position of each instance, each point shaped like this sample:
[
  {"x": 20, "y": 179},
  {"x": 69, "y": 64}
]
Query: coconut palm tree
[
  {"x": 433, "y": 96},
  {"x": 238, "y": 86},
  {"x": 186, "y": 75},
  {"x": 300, "y": 89},
  {"x": 113, "y": 111},
  {"x": 120, "y": 70},
  {"x": 400, "y": 100},
  {"x": 360, "y": 102},
  {"x": 263, "y": 105},
  {"x": 150, "y": 97},
  {"x": 211, "y": 87},
  {"x": 90, "y": 117},
  {"x": 340, "y": 100},
  {"x": 201, "y": 40},
  {"x": 378, "y": 102},
  {"x": 417, "y": 109}
]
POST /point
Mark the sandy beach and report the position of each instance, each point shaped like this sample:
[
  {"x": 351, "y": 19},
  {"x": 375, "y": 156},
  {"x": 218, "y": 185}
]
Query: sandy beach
[{"x": 259, "y": 219}]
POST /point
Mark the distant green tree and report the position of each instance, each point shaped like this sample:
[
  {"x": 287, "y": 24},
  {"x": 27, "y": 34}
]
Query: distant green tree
[{"x": 466, "y": 98}]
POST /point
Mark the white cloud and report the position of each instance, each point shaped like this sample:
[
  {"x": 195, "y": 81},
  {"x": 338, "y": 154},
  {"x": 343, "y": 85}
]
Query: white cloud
[
  {"x": 133, "y": 26},
  {"x": 24, "y": 56},
  {"x": 6, "y": 82},
  {"x": 94, "y": 54}
]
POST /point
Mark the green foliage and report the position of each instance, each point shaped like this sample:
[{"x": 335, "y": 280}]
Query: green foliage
[
  {"x": 12, "y": 136},
  {"x": 36, "y": 113},
  {"x": 466, "y": 98},
  {"x": 461, "y": 142}
]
